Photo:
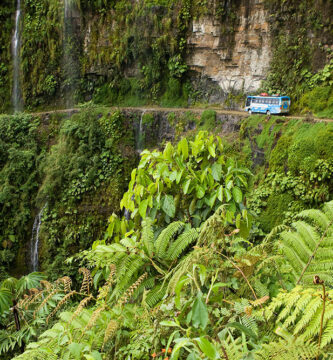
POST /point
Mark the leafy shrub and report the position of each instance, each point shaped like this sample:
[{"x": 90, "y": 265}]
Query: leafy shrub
[
  {"x": 185, "y": 183},
  {"x": 317, "y": 99}
]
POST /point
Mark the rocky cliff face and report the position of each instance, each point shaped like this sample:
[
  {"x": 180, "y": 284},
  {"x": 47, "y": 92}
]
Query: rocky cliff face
[
  {"x": 168, "y": 52},
  {"x": 237, "y": 65}
]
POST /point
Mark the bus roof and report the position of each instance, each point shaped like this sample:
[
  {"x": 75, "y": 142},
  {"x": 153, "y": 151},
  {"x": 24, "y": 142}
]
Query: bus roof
[{"x": 268, "y": 96}]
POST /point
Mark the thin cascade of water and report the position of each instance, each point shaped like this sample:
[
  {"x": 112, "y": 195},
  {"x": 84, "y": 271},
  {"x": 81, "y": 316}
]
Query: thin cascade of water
[
  {"x": 140, "y": 136},
  {"x": 35, "y": 239},
  {"x": 70, "y": 51},
  {"x": 16, "y": 47}
]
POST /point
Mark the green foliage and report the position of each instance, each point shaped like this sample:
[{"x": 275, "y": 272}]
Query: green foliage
[
  {"x": 300, "y": 311},
  {"x": 187, "y": 183},
  {"x": 41, "y": 51},
  {"x": 308, "y": 249},
  {"x": 6, "y": 11},
  {"x": 292, "y": 349},
  {"x": 319, "y": 101},
  {"x": 296, "y": 170},
  {"x": 70, "y": 166},
  {"x": 164, "y": 286},
  {"x": 20, "y": 147},
  {"x": 154, "y": 254}
]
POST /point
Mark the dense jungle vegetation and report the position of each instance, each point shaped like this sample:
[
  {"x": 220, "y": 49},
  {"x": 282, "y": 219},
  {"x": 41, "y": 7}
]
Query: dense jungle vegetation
[
  {"x": 223, "y": 253},
  {"x": 167, "y": 234}
]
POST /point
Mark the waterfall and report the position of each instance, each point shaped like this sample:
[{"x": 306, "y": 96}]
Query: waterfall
[
  {"x": 35, "y": 239},
  {"x": 16, "y": 46},
  {"x": 140, "y": 135},
  {"x": 70, "y": 51}
]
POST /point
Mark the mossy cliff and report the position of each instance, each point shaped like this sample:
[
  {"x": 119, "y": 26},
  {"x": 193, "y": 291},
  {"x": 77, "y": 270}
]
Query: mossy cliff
[
  {"x": 76, "y": 167},
  {"x": 170, "y": 52}
]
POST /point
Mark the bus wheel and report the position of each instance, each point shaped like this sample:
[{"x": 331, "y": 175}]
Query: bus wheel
[
  {"x": 250, "y": 112},
  {"x": 268, "y": 112}
]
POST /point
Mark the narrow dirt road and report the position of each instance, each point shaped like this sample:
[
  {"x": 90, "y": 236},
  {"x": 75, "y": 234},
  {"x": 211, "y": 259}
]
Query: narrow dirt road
[{"x": 163, "y": 109}]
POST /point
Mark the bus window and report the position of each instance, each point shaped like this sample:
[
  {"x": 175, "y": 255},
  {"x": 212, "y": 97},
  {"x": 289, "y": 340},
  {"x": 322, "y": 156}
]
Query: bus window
[{"x": 248, "y": 101}]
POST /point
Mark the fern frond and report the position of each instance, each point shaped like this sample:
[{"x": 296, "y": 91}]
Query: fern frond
[
  {"x": 104, "y": 290},
  {"x": 109, "y": 332},
  {"x": 232, "y": 348},
  {"x": 47, "y": 285},
  {"x": 165, "y": 237},
  {"x": 67, "y": 282},
  {"x": 86, "y": 282},
  {"x": 197, "y": 256},
  {"x": 275, "y": 232},
  {"x": 129, "y": 292},
  {"x": 212, "y": 228},
  {"x": 307, "y": 249},
  {"x": 181, "y": 243},
  {"x": 299, "y": 311},
  {"x": 284, "y": 350},
  {"x": 127, "y": 269},
  {"x": 94, "y": 317},
  {"x": 60, "y": 304},
  {"x": 148, "y": 236},
  {"x": 155, "y": 295},
  {"x": 316, "y": 216},
  {"x": 45, "y": 301},
  {"x": 81, "y": 306}
]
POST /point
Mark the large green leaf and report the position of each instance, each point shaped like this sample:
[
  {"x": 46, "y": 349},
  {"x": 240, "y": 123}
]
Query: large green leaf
[
  {"x": 227, "y": 194},
  {"x": 183, "y": 148},
  {"x": 186, "y": 185},
  {"x": 5, "y": 300},
  {"x": 220, "y": 193},
  {"x": 242, "y": 328},
  {"x": 199, "y": 313},
  {"x": 200, "y": 191},
  {"x": 76, "y": 349},
  {"x": 211, "y": 149},
  {"x": 143, "y": 208},
  {"x": 29, "y": 281},
  {"x": 168, "y": 151},
  {"x": 217, "y": 171},
  {"x": 168, "y": 206},
  {"x": 237, "y": 194},
  {"x": 208, "y": 348}
]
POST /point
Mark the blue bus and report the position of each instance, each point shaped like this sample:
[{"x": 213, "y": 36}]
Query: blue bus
[{"x": 267, "y": 104}]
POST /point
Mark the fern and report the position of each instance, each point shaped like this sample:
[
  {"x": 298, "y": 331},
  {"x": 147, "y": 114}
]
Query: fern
[
  {"x": 155, "y": 295},
  {"x": 165, "y": 237},
  {"x": 127, "y": 269},
  {"x": 231, "y": 348},
  {"x": 197, "y": 256},
  {"x": 286, "y": 350},
  {"x": 300, "y": 311},
  {"x": 86, "y": 282},
  {"x": 181, "y": 243},
  {"x": 148, "y": 236},
  {"x": 308, "y": 248}
]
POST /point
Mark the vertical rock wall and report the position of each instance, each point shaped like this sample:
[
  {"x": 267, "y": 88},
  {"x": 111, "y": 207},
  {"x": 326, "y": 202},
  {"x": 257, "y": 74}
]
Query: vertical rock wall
[{"x": 237, "y": 64}]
